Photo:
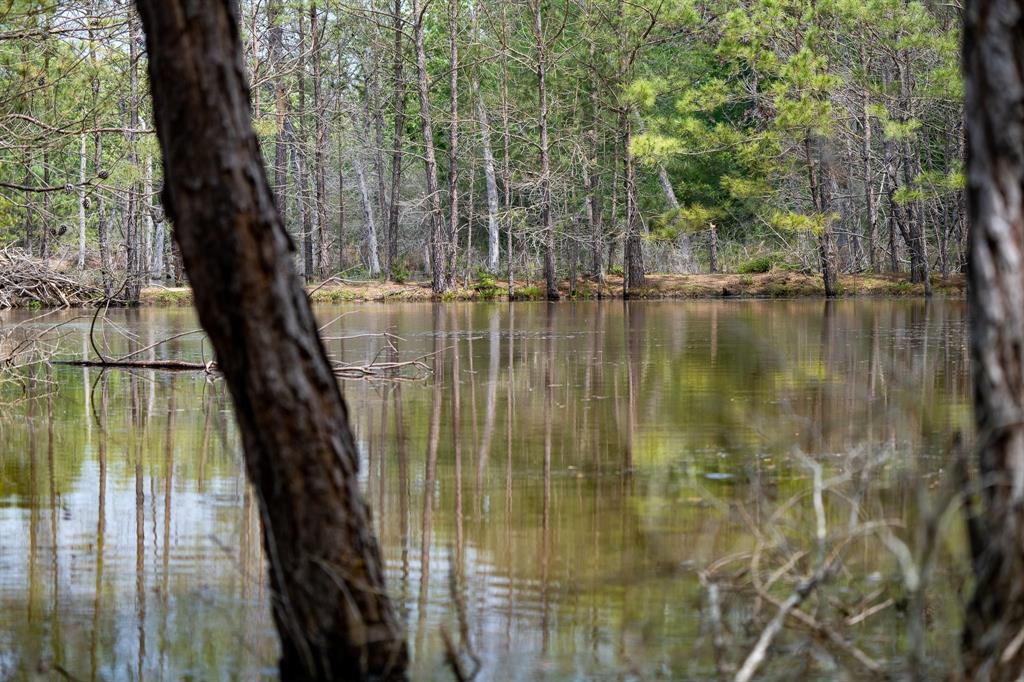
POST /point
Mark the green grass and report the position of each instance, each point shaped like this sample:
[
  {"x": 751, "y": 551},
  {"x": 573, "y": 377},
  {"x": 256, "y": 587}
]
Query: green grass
[
  {"x": 168, "y": 297},
  {"x": 530, "y": 293}
]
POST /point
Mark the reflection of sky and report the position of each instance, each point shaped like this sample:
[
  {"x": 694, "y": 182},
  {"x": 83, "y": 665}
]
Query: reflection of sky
[{"x": 203, "y": 574}]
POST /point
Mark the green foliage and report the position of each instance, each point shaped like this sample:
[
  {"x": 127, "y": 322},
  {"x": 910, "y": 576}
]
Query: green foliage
[
  {"x": 788, "y": 221},
  {"x": 400, "y": 272},
  {"x": 528, "y": 293},
  {"x": 486, "y": 285},
  {"x": 616, "y": 270},
  {"x": 758, "y": 265}
]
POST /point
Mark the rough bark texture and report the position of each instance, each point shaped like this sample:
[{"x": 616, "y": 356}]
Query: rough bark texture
[
  {"x": 452, "y": 238},
  {"x": 372, "y": 261},
  {"x": 330, "y": 605},
  {"x": 819, "y": 175},
  {"x": 394, "y": 206},
  {"x": 871, "y": 214},
  {"x": 490, "y": 178},
  {"x": 438, "y": 242},
  {"x": 275, "y": 36},
  {"x": 547, "y": 225},
  {"x": 320, "y": 149},
  {"x": 592, "y": 177},
  {"x": 994, "y": 79},
  {"x": 633, "y": 255}
]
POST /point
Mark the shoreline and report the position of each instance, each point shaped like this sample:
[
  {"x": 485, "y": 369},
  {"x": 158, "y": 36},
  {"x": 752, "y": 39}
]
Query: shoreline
[{"x": 772, "y": 285}]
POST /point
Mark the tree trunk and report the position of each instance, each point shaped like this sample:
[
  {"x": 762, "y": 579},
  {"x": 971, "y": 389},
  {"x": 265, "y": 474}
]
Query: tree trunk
[
  {"x": 330, "y": 607},
  {"x": 300, "y": 205},
  {"x": 275, "y": 34},
  {"x": 372, "y": 259},
  {"x": 452, "y": 239},
  {"x": 490, "y": 179},
  {"x": 633, "y": 256},
  {"x": 869, "y": 195},
  {"x": 146, "y": 267},
  {"x": 994, "y": 85},
  {"x": 302, "y": 152},
  {"x": 132, "y": 239},
  {"x": 506, "y": 137},
  {"x": 819, "y": 173},
  {"x": 320, "y": 150},
  {"x": 713, "y": 247},
  {"x": 592, "y": 177},
  {"x": 82, "y": 162},
  {"x": 439, "y": 280},
  {"x": 917, "y": 243},
  {"x": 101, "y": 217},
  {"x": 546, "y": 219},
  {"x": 394, "y": 205}
]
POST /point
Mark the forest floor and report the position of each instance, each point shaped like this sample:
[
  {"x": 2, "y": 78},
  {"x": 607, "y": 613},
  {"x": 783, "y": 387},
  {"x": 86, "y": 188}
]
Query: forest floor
[{"x": 767, "y": 285}]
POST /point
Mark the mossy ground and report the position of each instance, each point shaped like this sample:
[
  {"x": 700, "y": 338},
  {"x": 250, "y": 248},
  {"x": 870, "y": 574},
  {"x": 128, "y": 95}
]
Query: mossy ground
[{"x": 776, "y": 284}]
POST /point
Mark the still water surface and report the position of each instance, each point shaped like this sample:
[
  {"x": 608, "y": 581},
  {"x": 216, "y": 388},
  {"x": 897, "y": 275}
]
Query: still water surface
[{"x": 583, "y": 455}]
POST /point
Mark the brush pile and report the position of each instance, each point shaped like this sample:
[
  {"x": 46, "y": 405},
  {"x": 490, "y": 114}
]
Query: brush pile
[{"x": 29, "y": 281}]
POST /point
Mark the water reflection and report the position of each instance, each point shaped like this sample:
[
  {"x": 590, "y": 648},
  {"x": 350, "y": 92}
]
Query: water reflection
[{"x": 545, "y": 495}]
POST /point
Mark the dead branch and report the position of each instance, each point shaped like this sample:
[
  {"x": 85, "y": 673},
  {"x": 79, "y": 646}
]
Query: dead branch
[{"x": 26, "y": 280}]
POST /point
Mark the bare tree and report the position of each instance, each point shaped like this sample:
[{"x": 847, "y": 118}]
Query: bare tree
[
  {"x": 391, "y": 250},
  {"x": 547, "y": 224},
  {"x": 438, "y": 241}
]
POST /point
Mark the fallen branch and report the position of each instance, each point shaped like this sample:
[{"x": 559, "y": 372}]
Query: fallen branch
[
  {"x": 170, "y": 365},
  {"x": 774, "y": 627}
]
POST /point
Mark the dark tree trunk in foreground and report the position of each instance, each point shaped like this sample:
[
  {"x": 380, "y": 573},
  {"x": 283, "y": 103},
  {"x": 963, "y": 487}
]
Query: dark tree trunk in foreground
[
  {"x": 330, "y": 606},
  {"x": 994, "y": 79}
]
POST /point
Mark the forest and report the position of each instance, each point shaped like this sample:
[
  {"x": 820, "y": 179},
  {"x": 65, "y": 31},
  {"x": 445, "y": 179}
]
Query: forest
[
  {"x": 283, "y": 477},
  {"x": 472, "y": 141}
]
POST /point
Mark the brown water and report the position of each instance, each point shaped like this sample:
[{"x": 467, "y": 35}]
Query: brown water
[{"x": 587, "y": 455}]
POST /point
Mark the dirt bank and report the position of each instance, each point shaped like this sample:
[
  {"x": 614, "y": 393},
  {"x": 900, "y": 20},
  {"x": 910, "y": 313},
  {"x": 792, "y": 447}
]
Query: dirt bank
[{"x": 768, "y": 285}]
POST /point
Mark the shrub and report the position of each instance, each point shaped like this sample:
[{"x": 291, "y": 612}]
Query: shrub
[
  {"x": 486, "y": 285},
  {"x": 528, "y": 294},
  {"x": 616, "y": 270},
  {"x": 400, "y": 273},
  {"x": 761, "y": 264}
]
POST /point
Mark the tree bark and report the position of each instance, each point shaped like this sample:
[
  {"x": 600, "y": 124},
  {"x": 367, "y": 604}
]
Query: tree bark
[
  {"x": 391, "y": 252},
  {"x": 330, "y": 607},
  {"x": 101, "y": 216},
  {"x": 994, "y": 87},
  {"x": 451, "y": 239},
  {"x": 372, "y": 259},
  {"x": 439, "y": 280},
  {"x": 302, "y": 152},
  {"x": 633, "y": 256},
  {"x": 82, "y": 162},
  {"x": 917, "y": 243},
  {"x": 819, "y": 173},
  {"x": 546, "y": 219},
  {"x": 320, "y": 150},
  {"x": 592, "y": 175},
  {"x": 869, "y": 195},
  {"x": 275, "y": 49},
  {"x": 133, "y": 243},
  {"x": 713, "y": 248},
  {"x": 490, "y": 179}
]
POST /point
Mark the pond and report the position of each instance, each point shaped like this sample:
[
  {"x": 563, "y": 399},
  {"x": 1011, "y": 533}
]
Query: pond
[{"x": 548, "y": 490}]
